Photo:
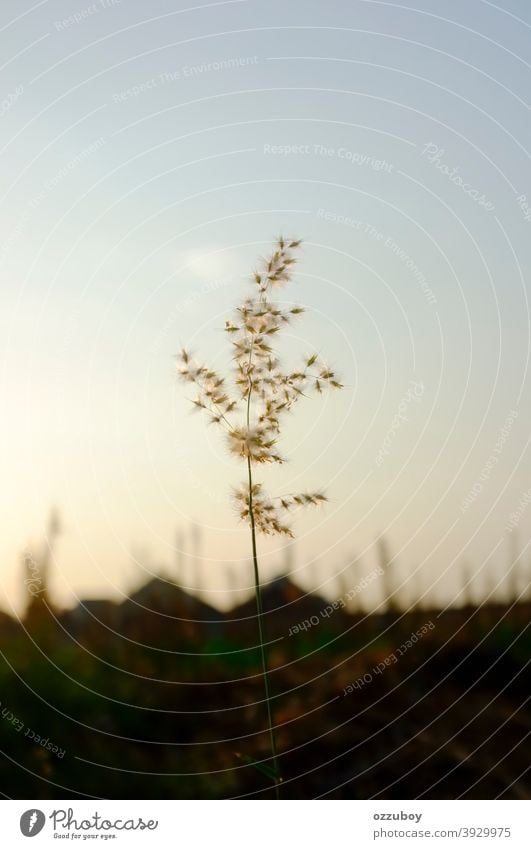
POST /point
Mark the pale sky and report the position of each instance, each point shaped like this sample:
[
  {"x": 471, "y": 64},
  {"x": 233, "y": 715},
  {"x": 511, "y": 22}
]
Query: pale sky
[{"x": 149, "y": 155}]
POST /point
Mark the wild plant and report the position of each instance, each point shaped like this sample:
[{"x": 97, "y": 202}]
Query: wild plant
[{"x": 251, "y": 408}]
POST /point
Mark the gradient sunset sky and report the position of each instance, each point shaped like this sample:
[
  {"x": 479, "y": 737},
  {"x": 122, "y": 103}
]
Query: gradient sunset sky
[{"x": 150, "y": 154}]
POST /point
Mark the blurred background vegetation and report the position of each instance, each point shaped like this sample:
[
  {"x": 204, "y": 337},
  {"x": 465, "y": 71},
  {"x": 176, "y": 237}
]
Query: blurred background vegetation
[{"x": 161, "y": 695}]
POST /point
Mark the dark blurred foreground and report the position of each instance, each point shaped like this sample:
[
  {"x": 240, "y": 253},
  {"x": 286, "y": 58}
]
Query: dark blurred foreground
[{"x": 162, "y": 697}]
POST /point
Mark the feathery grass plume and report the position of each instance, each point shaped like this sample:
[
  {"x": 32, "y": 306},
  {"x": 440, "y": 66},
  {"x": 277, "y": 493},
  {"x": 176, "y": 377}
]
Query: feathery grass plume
[{"x": 251, "y": 408}]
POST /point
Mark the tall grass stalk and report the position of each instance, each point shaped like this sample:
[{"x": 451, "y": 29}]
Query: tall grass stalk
[{"x": 250, "y": 409}]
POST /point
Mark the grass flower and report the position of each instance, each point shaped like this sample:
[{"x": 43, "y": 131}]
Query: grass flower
[{"x": 251, "y": 407}]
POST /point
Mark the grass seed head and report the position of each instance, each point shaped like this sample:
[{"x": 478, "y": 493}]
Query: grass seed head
[{"x": 262, "y": 392}]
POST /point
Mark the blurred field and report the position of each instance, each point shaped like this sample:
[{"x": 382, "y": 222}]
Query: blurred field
[{"x": 162, "y": 697}]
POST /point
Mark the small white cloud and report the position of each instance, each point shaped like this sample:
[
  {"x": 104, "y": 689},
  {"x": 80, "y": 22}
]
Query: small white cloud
[{"x": 207, "y": 265}]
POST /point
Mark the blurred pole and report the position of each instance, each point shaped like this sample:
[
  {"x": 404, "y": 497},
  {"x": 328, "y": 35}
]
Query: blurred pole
[
  {"x": 390, "y": 593},
  {"x": 514, "y": 569},
  {"x": 417, "y": 602},
  {"x": 179, "y": 556},
  {"x": 197, "y": 561},
  {"x": 350, "y": 579},
  {"x": 52, "y": 533},
  {"x": 468, "y": 588}
]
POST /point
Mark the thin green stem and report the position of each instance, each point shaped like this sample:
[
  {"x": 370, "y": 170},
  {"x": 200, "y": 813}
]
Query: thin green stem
[{"x": 259, "y": 609}]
